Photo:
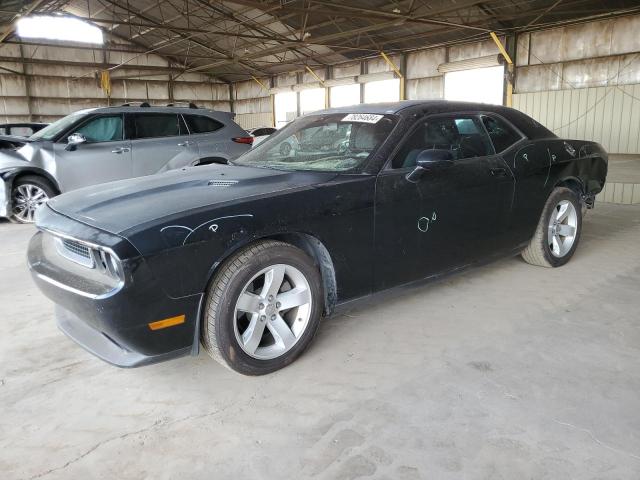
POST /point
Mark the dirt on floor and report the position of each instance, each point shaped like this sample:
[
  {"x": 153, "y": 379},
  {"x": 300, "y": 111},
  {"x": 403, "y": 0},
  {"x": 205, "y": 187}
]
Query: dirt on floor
[{"x": 507, "y": 371}]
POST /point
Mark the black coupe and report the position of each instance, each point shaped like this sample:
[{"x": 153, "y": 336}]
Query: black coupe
[{"x": 247, "y": 258}]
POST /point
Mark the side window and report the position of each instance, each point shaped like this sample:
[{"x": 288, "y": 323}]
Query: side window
[
  {"x": 152, "y": 125},
  {"x": 501, "y": 134},
  {"x": 102, "y": 129},
  {"x": 202, "y": 124},
  {"x": 21, "y": 131},
  {"x": 463, "y": 136}
]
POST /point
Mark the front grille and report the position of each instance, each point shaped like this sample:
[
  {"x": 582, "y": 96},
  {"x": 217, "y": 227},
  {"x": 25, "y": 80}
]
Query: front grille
[
  {"x": 76, "y": 248},
  {"x": 75, "y": 251}
]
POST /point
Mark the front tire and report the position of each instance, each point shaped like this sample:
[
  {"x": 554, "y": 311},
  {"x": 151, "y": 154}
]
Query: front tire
[
  {"x": 263, "y": 308},
  {"x": 27, "y": 195},
  {"x": 558, "y": 232}
]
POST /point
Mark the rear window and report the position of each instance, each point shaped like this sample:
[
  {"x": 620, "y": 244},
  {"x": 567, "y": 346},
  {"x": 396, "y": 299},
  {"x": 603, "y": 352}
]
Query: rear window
[
  {"x": 202, "y": 124},
  {"x": 501, "y": 134},
  {"x": 152, "y": 125}
]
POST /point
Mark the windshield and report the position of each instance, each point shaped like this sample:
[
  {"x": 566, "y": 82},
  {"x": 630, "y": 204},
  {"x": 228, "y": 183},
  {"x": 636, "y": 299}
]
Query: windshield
[
  {"x": 328, "y": 143},
  {"x": 50, "y": 132}
]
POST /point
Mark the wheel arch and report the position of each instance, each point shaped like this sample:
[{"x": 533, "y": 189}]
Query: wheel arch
[
  {"x": 26, "y": 172},
  {"x": 309, "y": 244},
  {"x": 313, "y": 247},
  {"x": 572, "y": 183}
]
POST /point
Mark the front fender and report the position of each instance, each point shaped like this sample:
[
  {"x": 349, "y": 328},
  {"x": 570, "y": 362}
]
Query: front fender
[
  {"x": 5, "y": 199},
  {"x": 8, "y": 177}
]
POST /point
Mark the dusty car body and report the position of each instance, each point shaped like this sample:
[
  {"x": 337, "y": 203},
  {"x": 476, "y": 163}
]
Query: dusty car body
[
  {"x": 391, "y": 220},
  {"x": 104, "y": 144},
  {"x": 11, "y": 142}
]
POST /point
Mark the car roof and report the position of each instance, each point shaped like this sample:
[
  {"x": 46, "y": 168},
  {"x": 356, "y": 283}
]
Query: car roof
[
  {"x": 23, "y": 124},
  {"x": 526, "y": 124},
  {"x": 161, "y": 109},
  {"x": 397, "y": 107}
]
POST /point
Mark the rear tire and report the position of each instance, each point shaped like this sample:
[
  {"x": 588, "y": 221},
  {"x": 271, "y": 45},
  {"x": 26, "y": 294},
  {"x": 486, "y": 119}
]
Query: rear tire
[
  {"x": 29, "y": 193},
  {"x": 263, "y": 308},
  {"x": 558, "y": 232}
]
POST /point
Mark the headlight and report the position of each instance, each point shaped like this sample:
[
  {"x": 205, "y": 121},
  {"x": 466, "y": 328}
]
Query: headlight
[{"x": 103, "y": 260}]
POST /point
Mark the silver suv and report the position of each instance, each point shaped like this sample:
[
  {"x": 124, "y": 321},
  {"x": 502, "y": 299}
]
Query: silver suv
[{"x": 105, "y": 144}]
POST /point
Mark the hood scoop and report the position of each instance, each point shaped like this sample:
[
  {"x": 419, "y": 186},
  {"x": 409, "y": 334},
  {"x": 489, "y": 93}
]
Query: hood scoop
[{"x": 221, "y": 183}]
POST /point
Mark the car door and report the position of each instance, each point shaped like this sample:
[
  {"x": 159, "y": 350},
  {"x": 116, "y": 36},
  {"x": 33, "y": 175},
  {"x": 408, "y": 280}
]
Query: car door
[
  {"x": 530, "y": 163},
  {"x": 104, "y": 157},
  {"x": 160, "y": 142},
  {"x": 210, "y": 136},
  {"x": 449, "y": 216}
]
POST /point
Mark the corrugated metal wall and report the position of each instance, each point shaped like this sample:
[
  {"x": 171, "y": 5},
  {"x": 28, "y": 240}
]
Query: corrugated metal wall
[
  {"x": 57, "y": 81},
  {"x": 583, "y": 81},
  {"x": 607, "y": 115},
  {"x": 252, "y": 104}
]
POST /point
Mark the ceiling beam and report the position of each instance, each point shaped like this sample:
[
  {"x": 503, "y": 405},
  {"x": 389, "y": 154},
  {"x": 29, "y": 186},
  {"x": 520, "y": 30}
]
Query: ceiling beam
[
  {"x": 348, "y": 11},
  {"x": 219, "y": 51}
]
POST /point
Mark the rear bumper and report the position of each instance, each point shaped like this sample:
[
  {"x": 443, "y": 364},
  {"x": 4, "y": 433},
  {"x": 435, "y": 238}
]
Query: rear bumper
[{"x": 112, "y": 323}]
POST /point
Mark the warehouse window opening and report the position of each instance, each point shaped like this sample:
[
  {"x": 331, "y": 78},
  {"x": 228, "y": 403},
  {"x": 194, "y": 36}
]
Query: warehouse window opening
[
  {"x": 286, "y": 104},
  {"x": 59, "y": 28},
  {"x": 484, "y": 85},
  {"x": 311, "y": 100},
  {"x": 344, "y": 95},
  {"x": 382, "y": 91}
]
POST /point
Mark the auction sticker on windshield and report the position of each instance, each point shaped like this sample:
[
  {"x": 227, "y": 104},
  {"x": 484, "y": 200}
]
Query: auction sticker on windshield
[{"x": 362, "y": 117}]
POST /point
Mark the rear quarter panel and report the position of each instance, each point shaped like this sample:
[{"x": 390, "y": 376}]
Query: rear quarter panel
[{"x": 583, "y": 161}]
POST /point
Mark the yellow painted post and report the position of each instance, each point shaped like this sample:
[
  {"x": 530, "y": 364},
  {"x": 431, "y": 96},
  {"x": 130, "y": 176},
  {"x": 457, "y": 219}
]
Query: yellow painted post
[
  {"x": 397, "y": 72},
  {"x": 510, "y": 67},
  {"x": 273, "y": 102},
  {"x": 326, "y": 90}
]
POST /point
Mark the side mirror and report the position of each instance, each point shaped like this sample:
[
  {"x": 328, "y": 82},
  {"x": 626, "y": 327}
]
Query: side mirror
[
  {"x": 74, "y": 140},
  {"x": 434, "y": 159}
]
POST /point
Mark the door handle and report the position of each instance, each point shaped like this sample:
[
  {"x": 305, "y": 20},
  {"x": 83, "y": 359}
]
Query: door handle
[
  {"x": 120, "y": 150},
  {"x": 184, "y": 144},
  {"x": 498, "y": 172}
]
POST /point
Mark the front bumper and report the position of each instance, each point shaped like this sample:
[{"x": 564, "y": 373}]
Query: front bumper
[
  {"x": 104, "y": 347},
  {"x": 112, "y": 322},
  {"x": 5, "y": 199}
]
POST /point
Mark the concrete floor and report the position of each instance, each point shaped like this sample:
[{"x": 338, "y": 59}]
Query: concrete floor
[{"x": 504, "y": 372}]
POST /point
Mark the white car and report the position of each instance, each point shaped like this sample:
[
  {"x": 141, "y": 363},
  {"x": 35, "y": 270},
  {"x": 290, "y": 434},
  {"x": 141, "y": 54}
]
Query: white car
[{"x": 260, "y": 134}]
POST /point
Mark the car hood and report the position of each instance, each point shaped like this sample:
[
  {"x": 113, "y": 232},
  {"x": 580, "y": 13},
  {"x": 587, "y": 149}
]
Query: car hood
[
  {"x": 30, "y": 152},
  {"x": 10, "y": 159},
  {"x": 119, "y": 207}
]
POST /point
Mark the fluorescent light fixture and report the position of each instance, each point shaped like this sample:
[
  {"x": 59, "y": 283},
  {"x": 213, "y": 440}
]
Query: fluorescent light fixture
[{"x": 59, "y": 28}]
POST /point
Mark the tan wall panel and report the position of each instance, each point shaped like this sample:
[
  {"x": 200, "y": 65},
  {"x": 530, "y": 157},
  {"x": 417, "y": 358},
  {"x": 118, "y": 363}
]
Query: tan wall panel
[
  {"x": 607, "y": 115},
  {"x": 254, "y": 120}
]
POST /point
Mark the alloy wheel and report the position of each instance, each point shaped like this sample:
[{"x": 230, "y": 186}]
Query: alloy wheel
[
  {"x": 27, "y": 198},
  {"x": 272, "y": 312},
  {"x": 563, "y": 228}
]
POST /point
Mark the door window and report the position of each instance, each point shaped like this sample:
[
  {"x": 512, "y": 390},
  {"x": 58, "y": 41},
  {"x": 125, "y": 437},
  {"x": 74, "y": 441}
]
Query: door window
[
  {"x": 464, "y": 137},
  {"x": 102, "y": 129},
  {"x": 152, "y": 125},
  {"x": 21, "y": 131},
  {"x": 501, "y": 134},
  {"x": 202, "y": 124}
]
